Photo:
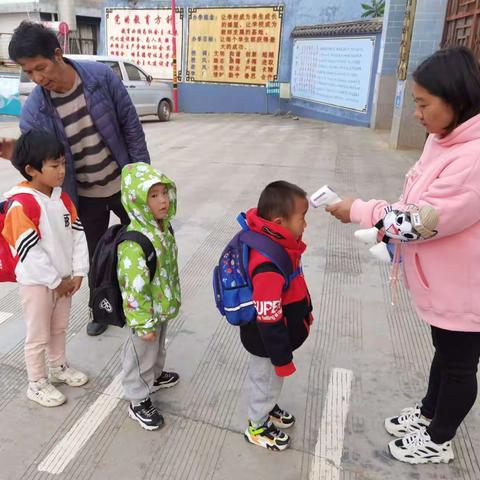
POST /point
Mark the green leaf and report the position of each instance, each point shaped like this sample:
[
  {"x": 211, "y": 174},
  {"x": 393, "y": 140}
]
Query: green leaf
[{"x": 376, "y": 9}]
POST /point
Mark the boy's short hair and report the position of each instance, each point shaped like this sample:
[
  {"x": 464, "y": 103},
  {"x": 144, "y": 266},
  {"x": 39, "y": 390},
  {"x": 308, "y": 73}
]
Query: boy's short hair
[
  {"x": 278, "y": 200},
  {"x": 33, "y": 148}
]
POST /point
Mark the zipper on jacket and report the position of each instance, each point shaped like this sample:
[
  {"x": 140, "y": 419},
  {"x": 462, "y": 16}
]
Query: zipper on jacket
[{"x": 412, "y": 175}]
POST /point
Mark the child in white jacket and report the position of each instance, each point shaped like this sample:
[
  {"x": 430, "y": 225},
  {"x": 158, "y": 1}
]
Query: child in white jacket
[{"x": 43, "y": 228}]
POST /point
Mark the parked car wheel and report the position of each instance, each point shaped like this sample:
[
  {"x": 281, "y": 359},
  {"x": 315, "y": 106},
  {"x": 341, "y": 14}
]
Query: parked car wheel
[{"x": 164, "y": 111}]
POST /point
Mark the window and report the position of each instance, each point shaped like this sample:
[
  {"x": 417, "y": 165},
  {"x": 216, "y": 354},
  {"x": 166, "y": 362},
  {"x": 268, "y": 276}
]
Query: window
[
  {"x": 115, "y": 67},
  {"x": 134, "y": 74},
  {"x": 48, "y": 17},
  {"x": 24, "y": 77}
]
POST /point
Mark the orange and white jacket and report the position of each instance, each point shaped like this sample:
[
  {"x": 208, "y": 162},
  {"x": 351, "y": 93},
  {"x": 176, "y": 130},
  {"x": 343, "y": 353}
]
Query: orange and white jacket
[{"x": 54, "y": 249}]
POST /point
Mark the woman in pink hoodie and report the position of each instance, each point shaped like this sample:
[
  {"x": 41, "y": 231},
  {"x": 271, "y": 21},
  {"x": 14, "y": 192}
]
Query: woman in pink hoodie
[{"x": 443, "y": 273}]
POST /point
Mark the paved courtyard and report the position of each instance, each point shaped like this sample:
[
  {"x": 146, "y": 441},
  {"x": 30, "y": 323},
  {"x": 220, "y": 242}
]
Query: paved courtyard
[{"x": 365, "y": 359}]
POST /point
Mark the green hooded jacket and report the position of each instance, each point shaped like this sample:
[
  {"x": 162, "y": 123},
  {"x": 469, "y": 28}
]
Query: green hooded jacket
[{"x": 147, "y": 305}]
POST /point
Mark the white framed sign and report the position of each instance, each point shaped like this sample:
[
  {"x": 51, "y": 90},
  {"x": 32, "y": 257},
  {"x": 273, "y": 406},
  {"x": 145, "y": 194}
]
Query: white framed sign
[
  {"x": 334, "y": 71},
  {"x": 145, "y": 37}
]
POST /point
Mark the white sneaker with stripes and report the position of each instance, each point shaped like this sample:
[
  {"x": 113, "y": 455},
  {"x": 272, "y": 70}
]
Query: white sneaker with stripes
[
  {"x": 410, "y": 420},
  {"x": 417, "y": 447}
]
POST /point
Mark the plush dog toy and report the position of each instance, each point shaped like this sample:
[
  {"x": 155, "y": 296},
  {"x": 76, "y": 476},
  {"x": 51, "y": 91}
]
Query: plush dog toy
[{"x": 405, "y": 226}]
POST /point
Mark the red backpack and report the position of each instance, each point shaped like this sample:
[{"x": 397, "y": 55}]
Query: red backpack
[{"x": 8, "y": 261}]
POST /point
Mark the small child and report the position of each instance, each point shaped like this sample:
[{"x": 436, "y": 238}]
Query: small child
[
  {"x": 283, "y": 317},
  {"x": 150, "y": 201},
  {"x": 53, "y": 260}
]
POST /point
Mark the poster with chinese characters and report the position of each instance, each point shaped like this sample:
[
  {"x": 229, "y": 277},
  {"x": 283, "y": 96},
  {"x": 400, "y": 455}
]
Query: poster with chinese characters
[
  {"x": 334, "y": 71},
  {"x": 145, "y": 37},
  {"x": 234, "y": 45}
]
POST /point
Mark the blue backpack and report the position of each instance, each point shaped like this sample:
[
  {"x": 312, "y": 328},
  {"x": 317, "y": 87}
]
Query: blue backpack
[{"x": 232, "y": 285}]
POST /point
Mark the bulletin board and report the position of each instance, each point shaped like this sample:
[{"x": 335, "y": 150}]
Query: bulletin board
[
  {"x": 145, "y": 37},
  {"x": 234, "y": 45},
  {"x": 334, "y": 71}
]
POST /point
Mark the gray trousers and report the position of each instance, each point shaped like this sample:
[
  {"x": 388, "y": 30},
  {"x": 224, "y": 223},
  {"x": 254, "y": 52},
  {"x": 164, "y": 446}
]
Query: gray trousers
[
  {"x": 263, "y": 388},
  {"x": 143, "y": 362}
]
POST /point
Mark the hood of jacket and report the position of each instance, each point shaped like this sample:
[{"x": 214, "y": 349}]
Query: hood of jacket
[
  {"x": 137, "y": 179},
  {"x": 147, "y": 304},
  {"x": 277, "y": 233},
  {"x": 466, "y": 132},
  {"x": 25, "y": 187}
]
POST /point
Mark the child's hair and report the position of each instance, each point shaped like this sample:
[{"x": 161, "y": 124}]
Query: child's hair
[
  {"x": 278, "y": 200},
  {"x": 33, "y": 148},
  {"x": 453, "y": 74}
]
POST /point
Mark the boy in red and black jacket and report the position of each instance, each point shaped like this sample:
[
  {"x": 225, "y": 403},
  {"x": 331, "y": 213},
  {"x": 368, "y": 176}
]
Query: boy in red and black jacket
[{"x": 283, "y": 316}]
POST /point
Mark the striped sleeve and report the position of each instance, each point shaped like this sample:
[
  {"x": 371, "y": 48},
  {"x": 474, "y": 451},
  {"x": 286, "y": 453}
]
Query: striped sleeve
[
  {"x": 23, "y": 235},
  {"x": 70, "y": 206},
  {"x": 20, "y": 231},
  {"x": 77, "y": 225}
]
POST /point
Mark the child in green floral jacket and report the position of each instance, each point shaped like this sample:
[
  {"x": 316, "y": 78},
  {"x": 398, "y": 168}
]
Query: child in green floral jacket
[{"x": 149, "y": 198}]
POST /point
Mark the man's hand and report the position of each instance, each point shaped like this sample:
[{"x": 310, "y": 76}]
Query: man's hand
[
  {"x": 76, "y": 284},
  {"x": 6, "y": 148},
  {"x": 149, "y": 337},
  {"x": 65, "y": 287},
  {"x": 341, "y": 210}
]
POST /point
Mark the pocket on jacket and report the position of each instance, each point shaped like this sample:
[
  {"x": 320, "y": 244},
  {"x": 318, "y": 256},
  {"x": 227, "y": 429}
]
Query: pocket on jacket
[
  {"x": 421, "y": 273},
  {"x": 416, "y": 279},
  {"x": 475, "y": 296}
]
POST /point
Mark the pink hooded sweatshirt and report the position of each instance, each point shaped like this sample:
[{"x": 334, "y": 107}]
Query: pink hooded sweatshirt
[{"x": 443, "y": 273}]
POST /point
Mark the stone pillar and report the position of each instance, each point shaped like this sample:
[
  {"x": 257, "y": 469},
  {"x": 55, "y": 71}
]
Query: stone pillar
[
  {"x": 426, "y": 39},
  {"x": 386, "y": 81}
]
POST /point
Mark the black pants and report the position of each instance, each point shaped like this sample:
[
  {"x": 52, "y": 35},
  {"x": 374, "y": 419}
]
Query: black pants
[
  {"x": 94, "y": 214},
  {"x": 452, "y": 386}
]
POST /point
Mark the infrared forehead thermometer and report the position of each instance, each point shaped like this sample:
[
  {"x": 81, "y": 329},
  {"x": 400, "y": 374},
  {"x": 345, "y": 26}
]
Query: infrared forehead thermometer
[{"x": 324, "y": 197}]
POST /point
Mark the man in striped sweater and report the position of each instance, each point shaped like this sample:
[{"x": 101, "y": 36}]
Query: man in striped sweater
[{"x": 88, "y": 108}]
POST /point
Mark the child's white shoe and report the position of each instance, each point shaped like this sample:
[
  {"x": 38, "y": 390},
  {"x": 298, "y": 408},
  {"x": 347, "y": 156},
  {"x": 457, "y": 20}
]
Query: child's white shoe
[
  {"x": 45, "y": 394},
  {"x": 68, "y": 375}
]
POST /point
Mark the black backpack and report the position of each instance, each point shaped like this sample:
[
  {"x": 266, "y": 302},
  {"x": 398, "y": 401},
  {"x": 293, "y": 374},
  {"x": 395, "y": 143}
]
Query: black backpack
[{"x": 106, "y": 298}]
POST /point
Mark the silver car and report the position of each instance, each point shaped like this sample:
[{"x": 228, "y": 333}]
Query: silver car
[{"x": 150, "y": 97}]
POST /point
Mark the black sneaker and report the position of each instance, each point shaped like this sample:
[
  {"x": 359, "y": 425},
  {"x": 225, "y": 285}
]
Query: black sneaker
[
  {"x": 165, "y": 380},
  {"x": 280, "y": 418},
  {"x": 94, "y": 329},
  {"x": 146, "y": 415}
]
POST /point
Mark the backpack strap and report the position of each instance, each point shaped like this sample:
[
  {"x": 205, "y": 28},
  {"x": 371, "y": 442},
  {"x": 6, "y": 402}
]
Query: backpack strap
[
  {"x": 242, "y": 220},
  {"x": 273, "y": 251},
  {"x": 30, "y": 207},
  {"x": 147, "y": 247}
]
